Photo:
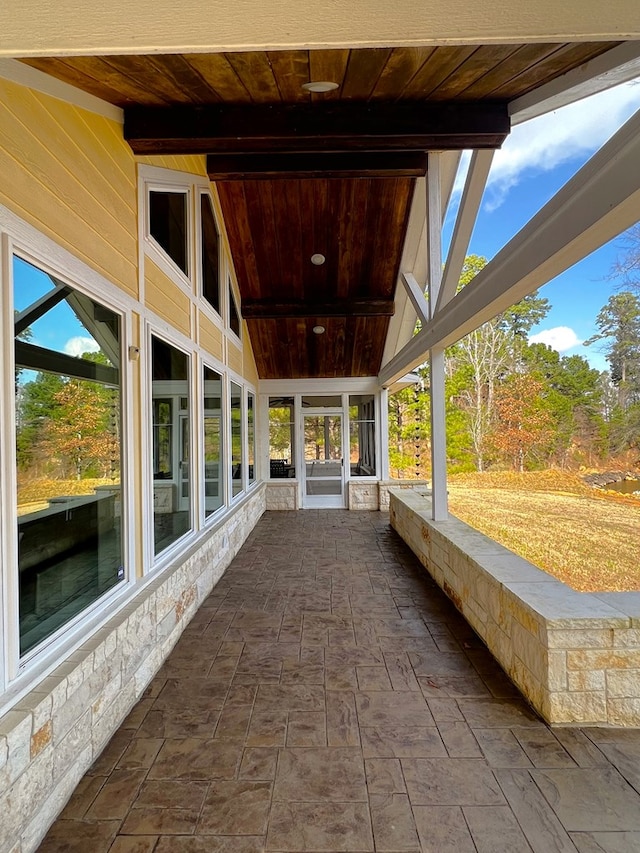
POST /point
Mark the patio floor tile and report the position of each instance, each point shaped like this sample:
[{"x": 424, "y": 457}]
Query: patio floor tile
[{"x": 327, "y": 697}]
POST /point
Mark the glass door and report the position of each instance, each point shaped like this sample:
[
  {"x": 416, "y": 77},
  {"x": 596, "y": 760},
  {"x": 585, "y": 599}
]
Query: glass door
[{"x": 323, "y": 484}]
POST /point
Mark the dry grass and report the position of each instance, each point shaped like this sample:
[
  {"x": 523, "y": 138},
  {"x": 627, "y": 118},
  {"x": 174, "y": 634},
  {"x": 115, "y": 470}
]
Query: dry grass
[
  {"x": 39, "y": 491},
  {"x": 585, "y": 537}
]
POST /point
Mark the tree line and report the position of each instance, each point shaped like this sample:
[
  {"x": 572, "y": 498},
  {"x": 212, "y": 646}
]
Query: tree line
[{"x": 520, "y": 405}]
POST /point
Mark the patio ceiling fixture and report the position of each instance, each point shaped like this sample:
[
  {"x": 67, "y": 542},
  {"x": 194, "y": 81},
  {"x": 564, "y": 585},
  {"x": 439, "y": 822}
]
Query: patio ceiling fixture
[
  {"x": 320, "y": 86},
  {"x": 318, "y": 330},
  {"x": 318, "y": 259}
]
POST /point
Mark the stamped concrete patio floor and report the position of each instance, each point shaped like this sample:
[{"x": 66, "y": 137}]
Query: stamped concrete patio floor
[{"x": 328, "y": 697}]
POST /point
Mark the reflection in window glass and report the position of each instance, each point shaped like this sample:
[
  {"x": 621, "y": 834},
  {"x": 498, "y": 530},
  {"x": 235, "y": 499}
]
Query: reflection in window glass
[
  {"x": 68, "y": 453},
  {"x": 236, "y": 439},
  {"x": 168, "y": 224},
  {"x": 210, "y": 254},
  {"x": 362, "y": 435},
  {"x": 213, "y": 473},
  {"x": 171, "y": 444},
  {"x": 234, "y": 317},
  {"x": 333, "y": 402},
  {"x": 281, "y": 437},
  {"x": 251, "y": 437}
]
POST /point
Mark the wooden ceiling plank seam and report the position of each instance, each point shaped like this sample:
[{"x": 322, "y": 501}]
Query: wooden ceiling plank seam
[
  {"x": 291, "y": 70},
  {"x": 523, "y": 57},
  {"x": 363, "y": 71},
  {"x": 382, "y": 261},
  {"x": 348, "y": 209},
  {"x": 75, "y": 76},
  {"x": 145, "y": 74},
  {"x": 313, "y": 201},
  {"x": 220, "y": 76},
  {"x": 185, "y": 78},
  {"x": 255, "y": 71},
  {"x": 437, "y": 68},
  {"x": 328, "y": 65},
  {"x": 264, "y": 227},
  {"x": 561, "y": 61},
  {"x": 236, "y": 218},
  {"x": 286, "y": 232},
  {"x": 402, "y": 66},
  {"x": 471, "y": 70}
]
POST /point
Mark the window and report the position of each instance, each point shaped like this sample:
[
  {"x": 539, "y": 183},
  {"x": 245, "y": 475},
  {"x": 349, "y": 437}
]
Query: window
[
  {"x": 251, "y": 436},
  {"x": 236, "y": 439},
  {"x": 168, "y": 225},
  {"x": 171, "y": 441},
  {"x": 210, "y": 251},
  {"x": 234, "y": 317},
  {"x": 281, "y": 437},
  {"x": 68, "y": 389},
  {"x": 213, "y": 468},
  {"x": 362, "y": 435}
]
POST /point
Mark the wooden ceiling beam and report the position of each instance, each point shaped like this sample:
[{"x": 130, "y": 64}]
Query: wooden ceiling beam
[
  {"x": 363, "y": 164},
  {"x": 328, "y": 127},
  {"x": 273, "y": 309}
]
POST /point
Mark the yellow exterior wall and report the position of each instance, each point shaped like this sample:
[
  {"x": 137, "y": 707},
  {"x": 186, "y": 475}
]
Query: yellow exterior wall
[
  {"x": 194, "y": 164},
  {"x": 210, "y": 336},
  {"x": 249, "y": 369},
  {"x": 166, "y": 299},
  {"x": 71, "y": 175},
  {"x": 234, "y": 357}
]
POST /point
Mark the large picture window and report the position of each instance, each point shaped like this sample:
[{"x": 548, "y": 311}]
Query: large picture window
[
  {"x": 68, "y": 389},
  {"x": 171, "y": 439},
  {"x": 362, "y": 435},
  {"x": 213, "y": 456},
  {"x": 251, "y": 436},
  {"x": 168, "y": 225},
  {"x": 210, "y": 250},
  {"x": 236, "y": 439},
  {"x": 281, "y": 437}
]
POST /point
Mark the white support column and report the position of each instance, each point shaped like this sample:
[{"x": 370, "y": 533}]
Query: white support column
[
  {"x": 439, "y": 510},
  {"x": 383, "y": 420}
]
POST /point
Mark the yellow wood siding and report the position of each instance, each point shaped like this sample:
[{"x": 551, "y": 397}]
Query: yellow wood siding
[
  {"x": 69, "y": 173},
  {"x": 194, "y": 164},
  {"x": 210, "y": 336},
  {"x": 249, "y": 371},
  {"x": 234, "y": 357},
  {"x": 166, "y": 299}
]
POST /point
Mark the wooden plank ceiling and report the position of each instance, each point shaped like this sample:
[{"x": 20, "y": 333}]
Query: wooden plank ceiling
[{"x": 300, "y": 173}]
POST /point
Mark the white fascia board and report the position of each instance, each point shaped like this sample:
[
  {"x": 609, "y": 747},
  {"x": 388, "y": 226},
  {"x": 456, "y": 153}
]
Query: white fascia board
[
  {"x": 598, "y": 203},
  {"x": 32, "y": 78},
  {"x": 473, "y": 192},
  {"x": 618, "y": 65}
]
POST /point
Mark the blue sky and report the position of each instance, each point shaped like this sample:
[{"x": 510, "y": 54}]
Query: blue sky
[{"x": 538, "y": 158}]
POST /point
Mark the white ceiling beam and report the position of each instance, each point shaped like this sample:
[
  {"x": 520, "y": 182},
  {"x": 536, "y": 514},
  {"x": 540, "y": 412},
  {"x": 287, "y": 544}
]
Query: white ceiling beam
[
  {"x": 597, "y": 204},
  {"x": 618, "y": 65},
  {"x": 475, "y": 183},
  {"x": 449, "y": 164}
]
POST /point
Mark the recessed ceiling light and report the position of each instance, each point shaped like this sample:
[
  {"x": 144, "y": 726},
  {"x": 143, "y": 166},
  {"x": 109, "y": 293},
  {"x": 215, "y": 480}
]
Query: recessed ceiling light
[
  {"x": 318, "y": 330},
  {"x": 319, "y": 86},
  {"x": 318, "y": 259}
]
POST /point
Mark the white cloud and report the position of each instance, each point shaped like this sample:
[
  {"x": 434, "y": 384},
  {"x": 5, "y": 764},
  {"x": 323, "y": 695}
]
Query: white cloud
[
  {"x": 542, "y": 144},
  {"x": 560, "y": 338},
  {"x": 76, "y": 346}
]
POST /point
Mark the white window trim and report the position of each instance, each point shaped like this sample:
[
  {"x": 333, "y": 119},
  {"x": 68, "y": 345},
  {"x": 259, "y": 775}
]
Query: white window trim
[
  {"x": 223, "y": 264},
  {"x": 230, "y": 293},
  {"x": 21, "y": 239},
  {"x": 152, "y": 562},
  {"x": 218, "y": 367}
]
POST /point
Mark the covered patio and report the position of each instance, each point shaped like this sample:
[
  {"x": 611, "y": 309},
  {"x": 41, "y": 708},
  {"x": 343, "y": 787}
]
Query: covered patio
[{"x": 327, "y": 696}]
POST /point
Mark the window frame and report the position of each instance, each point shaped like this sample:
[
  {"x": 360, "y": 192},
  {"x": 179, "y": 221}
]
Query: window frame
[
  {"x": 211, "y": 364},
  {"x": 153, "y": 249},
  {"x": 216, "y": 316},
  {"x": 27, "y": 243}
]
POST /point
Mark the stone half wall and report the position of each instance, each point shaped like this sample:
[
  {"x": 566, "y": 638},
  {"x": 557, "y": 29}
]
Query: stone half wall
[
  {"x": 575, "y": 656},
  {"x": 54, "y": 734}
]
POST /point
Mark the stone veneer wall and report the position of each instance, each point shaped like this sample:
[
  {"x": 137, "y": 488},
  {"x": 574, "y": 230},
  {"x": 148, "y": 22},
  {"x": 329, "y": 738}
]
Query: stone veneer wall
[
  {"x": 282, "y": 495},
  {"x": 575, "y": 656},
  {"x": 51, "y": 737}
]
